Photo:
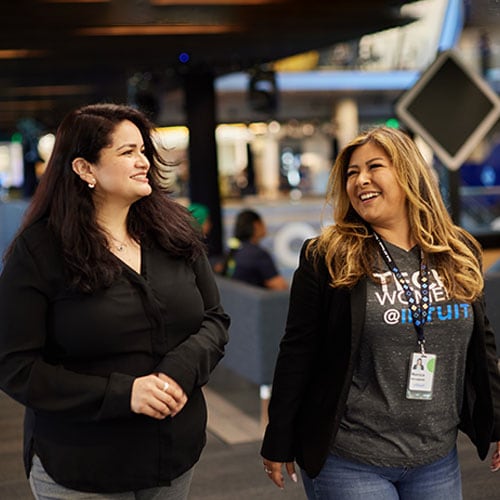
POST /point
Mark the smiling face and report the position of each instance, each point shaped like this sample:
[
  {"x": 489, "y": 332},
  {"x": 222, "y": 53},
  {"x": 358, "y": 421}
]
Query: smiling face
[
  {"x": 374, "y": 191},
  {"x": 122, "y": 167}
]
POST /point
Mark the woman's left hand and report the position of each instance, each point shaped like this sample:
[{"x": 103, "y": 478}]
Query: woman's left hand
[
  {"x": 495, "y": 459},
  {"x": 178, "y": 397},
  {"x": 274, "y": 470}
]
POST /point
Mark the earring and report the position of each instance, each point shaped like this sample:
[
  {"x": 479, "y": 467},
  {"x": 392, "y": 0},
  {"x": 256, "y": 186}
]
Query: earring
[{"x": 91, "y": 185}]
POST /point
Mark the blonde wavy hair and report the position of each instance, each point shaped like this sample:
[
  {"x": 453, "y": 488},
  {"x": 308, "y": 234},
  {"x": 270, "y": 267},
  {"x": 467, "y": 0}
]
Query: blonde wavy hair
[{"x": 348, "y": 247}]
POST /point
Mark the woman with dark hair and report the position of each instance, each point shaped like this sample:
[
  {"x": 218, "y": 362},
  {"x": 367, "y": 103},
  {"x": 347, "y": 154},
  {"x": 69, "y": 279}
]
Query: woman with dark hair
[
  {"x": 247, "y": 260},
  {"x": 391, "y": 281},
  {"x": 111, "y": 321}
]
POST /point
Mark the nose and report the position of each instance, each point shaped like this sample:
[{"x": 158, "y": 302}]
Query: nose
[
  {"x": 143, "y": 161},
  {"x": 364, "y": 177}
]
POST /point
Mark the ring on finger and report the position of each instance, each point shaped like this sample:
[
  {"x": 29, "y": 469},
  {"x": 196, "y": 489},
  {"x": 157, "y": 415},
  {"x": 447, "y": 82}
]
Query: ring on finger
[
  {"x": 267, "y": 471},
  {"x": 166, "y": 385}
]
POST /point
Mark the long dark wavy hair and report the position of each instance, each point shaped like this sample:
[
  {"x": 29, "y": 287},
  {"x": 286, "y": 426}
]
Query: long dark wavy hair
[{"x": 67, "y": 202}]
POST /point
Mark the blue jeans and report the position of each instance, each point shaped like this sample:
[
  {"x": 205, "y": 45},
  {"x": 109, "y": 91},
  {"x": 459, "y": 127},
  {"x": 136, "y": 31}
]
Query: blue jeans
[{"x": 342, "y": 479}]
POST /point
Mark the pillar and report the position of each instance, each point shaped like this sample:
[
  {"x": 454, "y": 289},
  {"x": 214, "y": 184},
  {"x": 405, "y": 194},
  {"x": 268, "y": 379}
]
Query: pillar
[
  {"x": 200, "y": 106},
  {"x": 346, "y": 121}
]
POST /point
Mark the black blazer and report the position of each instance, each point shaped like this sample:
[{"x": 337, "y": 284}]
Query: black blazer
[{"x": 315, "y": 367}]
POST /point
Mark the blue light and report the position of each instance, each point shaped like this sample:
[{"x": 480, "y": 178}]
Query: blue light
[
  {"x": 184, "y": 57},
  {"x": 488, "y": 176},
  {"x": 452, "y": 25},
  {"x": 328, "y": 80}
]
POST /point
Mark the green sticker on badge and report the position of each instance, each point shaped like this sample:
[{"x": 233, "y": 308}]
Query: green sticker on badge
[{"x": 431, "y": 364}]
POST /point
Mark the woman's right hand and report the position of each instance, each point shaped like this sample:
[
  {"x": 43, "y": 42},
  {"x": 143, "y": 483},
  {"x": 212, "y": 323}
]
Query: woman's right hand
[
  {"x": 275, "y": 473},
  {"x": 150, "y": 398}
]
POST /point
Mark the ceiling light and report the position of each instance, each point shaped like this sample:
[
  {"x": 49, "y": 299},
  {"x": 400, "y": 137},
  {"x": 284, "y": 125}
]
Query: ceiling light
[
  {"x": 74, "y": 1},
  {"x": 212, "y": 2},
  {"x": 156, "y": 30},
  {"x": 21, "y": 53}
]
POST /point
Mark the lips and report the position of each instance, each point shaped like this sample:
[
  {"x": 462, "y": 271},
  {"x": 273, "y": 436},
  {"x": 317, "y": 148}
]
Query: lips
[
  {"x": 369, "y": 196},
  {"x": 140, "y": 177}
]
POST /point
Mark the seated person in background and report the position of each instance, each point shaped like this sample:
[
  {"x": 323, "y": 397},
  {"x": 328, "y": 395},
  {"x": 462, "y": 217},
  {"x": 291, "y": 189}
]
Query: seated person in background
[{"x": 249, "y": 262}]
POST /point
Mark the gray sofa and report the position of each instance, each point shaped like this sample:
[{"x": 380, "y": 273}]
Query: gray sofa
[
  {"x": 258, "y": 319},
  {"x": 11, "y": 214}
]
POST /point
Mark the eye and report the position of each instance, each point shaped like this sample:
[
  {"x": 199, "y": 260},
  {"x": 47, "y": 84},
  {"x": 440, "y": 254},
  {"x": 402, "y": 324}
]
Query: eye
[
  {"x": 350, "y": 172},
  {"x": 128, "y": 152}
]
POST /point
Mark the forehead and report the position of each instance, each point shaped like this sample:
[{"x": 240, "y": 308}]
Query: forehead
[
  {"x": 367, "y": 152},
  {"x": 126, "y": 132}
]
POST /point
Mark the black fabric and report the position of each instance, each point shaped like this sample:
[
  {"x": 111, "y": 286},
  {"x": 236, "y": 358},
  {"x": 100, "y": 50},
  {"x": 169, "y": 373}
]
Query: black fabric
[
  {"x": 71, "y": 359},
  {"x": 315, "y": 367}
]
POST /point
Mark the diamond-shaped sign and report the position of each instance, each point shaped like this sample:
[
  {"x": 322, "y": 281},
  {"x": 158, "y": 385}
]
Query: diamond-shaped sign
[{"x": 451, "y": 107}]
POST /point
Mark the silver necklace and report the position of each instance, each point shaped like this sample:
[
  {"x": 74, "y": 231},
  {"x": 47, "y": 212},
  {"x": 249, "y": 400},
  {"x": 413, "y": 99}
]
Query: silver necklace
[{"x": 119, "y": 245}]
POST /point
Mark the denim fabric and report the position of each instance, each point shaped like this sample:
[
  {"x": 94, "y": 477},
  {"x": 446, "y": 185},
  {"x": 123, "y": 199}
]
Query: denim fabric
[
  {"x": 342, "y": 479},
  {"x": 45, "y": 488}
]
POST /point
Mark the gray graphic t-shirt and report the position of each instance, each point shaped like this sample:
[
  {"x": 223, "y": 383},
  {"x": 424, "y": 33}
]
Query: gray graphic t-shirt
[{"x": 380, "y": 425}]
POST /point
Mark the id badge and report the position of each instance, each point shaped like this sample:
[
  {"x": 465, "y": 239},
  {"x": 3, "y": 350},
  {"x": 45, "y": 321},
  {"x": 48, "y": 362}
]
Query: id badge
[{"x": 421, "y": 376}]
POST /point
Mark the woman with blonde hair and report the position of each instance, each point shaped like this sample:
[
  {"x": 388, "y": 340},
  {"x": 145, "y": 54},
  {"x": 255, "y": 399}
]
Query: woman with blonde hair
[{"x": 391, "y": 281}]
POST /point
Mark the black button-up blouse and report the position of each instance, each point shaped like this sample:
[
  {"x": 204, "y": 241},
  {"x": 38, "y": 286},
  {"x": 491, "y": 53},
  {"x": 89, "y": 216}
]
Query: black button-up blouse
[{"x": 71, "y": 359}]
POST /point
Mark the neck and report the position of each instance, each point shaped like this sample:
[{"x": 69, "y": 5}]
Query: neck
[
  {"x": 114, "y": 224},
  {"x": 401, "y": 237}
]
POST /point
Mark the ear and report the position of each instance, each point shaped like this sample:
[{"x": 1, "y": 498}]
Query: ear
[{"x": 83, "y": 169}]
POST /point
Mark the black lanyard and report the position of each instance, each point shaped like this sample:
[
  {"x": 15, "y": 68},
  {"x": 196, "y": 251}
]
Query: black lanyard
[{"x": 418, "y": 311}]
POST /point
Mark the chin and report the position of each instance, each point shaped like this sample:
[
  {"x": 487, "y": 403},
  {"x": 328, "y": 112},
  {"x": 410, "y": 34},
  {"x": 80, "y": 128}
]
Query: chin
[
  {"x": 143, "y": 194},
  {"x": 146, "y": 191}
]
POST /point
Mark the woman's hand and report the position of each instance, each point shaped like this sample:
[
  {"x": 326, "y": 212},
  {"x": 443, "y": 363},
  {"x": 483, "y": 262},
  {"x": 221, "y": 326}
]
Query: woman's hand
[
  {"x": 275, "y": 474},
  {"x": 177, "y": 397},
  {"x": 157, "y": 396},
  {"x": 495, "y": 459}
]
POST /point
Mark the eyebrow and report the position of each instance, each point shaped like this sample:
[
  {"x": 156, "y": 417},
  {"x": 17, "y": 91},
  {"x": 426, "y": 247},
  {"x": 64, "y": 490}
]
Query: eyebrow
[
  {"x": 371, "y": 160},
  {"x": 126, "y": 146},
  {"x": 377, "y": 158}
]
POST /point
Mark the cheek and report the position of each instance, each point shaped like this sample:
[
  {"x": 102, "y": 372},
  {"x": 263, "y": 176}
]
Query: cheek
[
  {"x": 401, "y": 197},
  {"x": 350, "y": 192},
  {"x": 113, "y": 172}
]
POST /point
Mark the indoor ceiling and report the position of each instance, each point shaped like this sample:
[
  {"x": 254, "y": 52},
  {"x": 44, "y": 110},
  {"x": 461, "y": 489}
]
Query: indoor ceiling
[{"x": 58, "y": 54}]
